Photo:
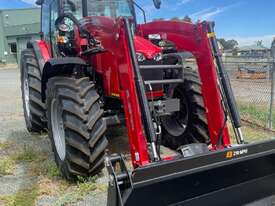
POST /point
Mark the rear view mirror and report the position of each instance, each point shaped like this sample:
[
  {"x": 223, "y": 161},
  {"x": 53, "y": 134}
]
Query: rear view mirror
[
  {"x": 39, "y": 2},
  {"x": 157, "y": 3}
]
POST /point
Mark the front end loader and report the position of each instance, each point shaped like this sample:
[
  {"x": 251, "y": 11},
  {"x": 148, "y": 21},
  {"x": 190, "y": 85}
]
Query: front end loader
[{"x": 96, "y": 67}]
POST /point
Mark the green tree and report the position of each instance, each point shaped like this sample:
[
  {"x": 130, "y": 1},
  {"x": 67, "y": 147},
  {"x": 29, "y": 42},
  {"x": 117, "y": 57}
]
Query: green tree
[
  {"x": 187, "y": 19},
  {"x": 228, "y": 44},
  {"x": 158, "y": 19},
  {"x": 259, "y": 43},
  {"x": 175, "y": 19}
]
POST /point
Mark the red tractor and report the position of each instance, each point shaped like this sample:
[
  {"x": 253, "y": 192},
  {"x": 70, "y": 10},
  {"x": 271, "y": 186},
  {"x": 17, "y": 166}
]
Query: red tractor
[{"x": 95, "y": 67}]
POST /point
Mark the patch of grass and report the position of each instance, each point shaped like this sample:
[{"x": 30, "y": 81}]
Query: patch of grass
[
  {"x": 26, "y": 197},
  {"x": 66, "y": 199},
  {"x": 7, "y": 200},
  {"x": 45, "y": 168},
  {"x": 52, "y": 170},
  {"x": 5, "y": 145},
  {"x": 252, "y": 134},
  {"x": 51, "y": 187},
  {"x": 7, "y": 166},
  {"x": 84, "y": 186},
  {"x": 256, "y": 113},
  {"x": 28, "y": 155},
  {"x": 86, "y": 179},
  {"x": 257, "y": 134}
]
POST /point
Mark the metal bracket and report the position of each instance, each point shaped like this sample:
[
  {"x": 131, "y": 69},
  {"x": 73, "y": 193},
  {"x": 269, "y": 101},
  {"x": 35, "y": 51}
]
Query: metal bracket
[{"x": 120, "y": 183}]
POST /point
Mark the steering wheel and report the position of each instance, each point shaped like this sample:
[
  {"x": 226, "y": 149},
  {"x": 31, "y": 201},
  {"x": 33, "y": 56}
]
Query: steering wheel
[
  {"x": 63, "y": 27},
  {"x": 60, "y": 26}
]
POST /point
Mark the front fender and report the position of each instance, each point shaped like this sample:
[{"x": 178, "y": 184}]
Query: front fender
[
  {"x": 59, "y": 67},
  {"x": 41, "y": 52}
]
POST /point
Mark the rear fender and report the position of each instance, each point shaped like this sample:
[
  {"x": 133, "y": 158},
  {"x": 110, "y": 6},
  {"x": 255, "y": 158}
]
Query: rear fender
[{"x": 60, "y": 67}]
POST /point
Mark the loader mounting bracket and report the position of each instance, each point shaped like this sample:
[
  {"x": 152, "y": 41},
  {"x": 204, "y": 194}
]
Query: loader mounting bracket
[{"x": 120, "y": 183}]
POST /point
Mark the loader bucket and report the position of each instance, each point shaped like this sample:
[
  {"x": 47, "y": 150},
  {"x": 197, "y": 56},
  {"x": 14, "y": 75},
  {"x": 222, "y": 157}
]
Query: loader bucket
[{"x": 235, "y": 176}]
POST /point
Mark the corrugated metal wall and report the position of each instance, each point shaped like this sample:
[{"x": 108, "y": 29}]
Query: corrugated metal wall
[{"x": 16, "y": 28}]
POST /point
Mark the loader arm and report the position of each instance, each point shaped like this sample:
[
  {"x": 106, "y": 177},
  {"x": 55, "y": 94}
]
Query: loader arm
[
  {"x": 187, "y": 37},
  {"x": 194, "y": 38},
  {"x": 225, "y": 175}
]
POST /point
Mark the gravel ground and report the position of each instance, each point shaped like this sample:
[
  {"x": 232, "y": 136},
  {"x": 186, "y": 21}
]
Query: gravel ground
[{"x": 13, "y": 132}]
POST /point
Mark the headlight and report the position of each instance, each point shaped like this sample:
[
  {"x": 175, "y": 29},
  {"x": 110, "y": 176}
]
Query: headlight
[
  {"x": 140, "y": 57},
  {"x": 158, "y": 57}
]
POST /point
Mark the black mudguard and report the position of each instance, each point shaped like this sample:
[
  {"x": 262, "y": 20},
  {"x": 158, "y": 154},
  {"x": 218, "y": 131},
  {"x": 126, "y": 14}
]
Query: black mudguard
[
  {"x": 60, "y": 67},
  {"x": 235, "y": 176},
  {"x": 55, "y": 66}
]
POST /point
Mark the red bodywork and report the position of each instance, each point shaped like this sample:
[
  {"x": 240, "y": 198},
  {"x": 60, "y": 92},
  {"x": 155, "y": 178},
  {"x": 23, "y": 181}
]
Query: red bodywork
[{"x": 117, "y": 72}]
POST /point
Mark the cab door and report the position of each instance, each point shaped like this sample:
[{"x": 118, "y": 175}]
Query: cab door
[{"x": 55, "y": 6}]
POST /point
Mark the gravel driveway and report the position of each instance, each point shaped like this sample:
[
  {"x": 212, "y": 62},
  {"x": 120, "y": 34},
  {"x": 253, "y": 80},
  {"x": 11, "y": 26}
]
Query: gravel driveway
[
  {"x": 14, "y": 137},
  {"x": 50, "y": 188}
]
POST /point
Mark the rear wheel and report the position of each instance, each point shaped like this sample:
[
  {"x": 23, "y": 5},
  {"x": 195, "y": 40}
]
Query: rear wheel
[
  {"x": 76, "y": 126},
  {"x": 189, "y": 125},
  {"x": 34, "y": 108}
]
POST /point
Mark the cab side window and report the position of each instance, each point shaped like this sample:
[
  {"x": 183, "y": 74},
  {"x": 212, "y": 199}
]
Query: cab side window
[
  {"x": 74, "y": 7},
  {"x": 45, "y": 21},
  {"x": 54, "y": 8}
]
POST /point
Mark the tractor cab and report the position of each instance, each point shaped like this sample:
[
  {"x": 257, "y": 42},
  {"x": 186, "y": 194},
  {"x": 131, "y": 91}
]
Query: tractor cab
[
  {"x": 90, "y": 27},
  {"x": 68, "y": 17}
]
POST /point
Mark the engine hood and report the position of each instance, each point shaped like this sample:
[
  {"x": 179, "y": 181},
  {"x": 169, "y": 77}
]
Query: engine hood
[
  {"x": 148, "y": 49},
  {"x": 103, "y": 29}
]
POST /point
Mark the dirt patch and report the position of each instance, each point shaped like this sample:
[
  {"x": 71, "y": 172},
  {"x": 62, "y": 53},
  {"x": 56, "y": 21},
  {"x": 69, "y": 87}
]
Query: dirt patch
[{"x": 8, "y": 66}]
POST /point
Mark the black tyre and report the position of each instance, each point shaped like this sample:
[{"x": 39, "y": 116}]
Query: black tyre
[
  {"x": 189, "y": 125},
  {"x": 34, "y": 109},
  {"x": 76, "y": 126}
]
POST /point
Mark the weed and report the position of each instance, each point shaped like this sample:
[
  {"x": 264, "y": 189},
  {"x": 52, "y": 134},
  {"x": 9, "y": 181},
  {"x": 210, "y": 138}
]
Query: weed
[
  {"x": 26, "y": 197},
  {"x": 45, "y": 168},
  {"x": 84, "y": 186},
  {"x": 66, "y": 199},
  {"x": 255, "y": 113},
  {"x": 7, "y": 200},
  {"x": 252, "y": 134},
  {"x": 86, "y": 179},
  {"x": 5, "y": 145},
  {"x": 52, "y": 170},
  {"x": 28, "y": 155},
  {"x": 7, "y": 166}
]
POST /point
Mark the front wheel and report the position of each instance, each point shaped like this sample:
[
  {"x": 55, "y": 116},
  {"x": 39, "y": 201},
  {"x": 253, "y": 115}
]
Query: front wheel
[
  {"x": 189, "y": 125},
  {"x": 76, "y": 126}
]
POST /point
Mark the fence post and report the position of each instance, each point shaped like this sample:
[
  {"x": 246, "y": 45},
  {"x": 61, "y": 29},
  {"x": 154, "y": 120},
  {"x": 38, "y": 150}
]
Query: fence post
[{"x": 272, "y": 84}]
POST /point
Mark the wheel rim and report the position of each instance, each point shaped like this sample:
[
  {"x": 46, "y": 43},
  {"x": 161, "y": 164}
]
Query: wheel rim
[
  {"x": 58, "y": 129},
  {"x": 26, "y": 96},
  {"x": 176, "y": 124}
]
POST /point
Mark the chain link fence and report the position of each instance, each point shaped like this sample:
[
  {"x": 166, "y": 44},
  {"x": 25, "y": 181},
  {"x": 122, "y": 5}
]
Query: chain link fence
[{"x": 253, "y": 82}]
